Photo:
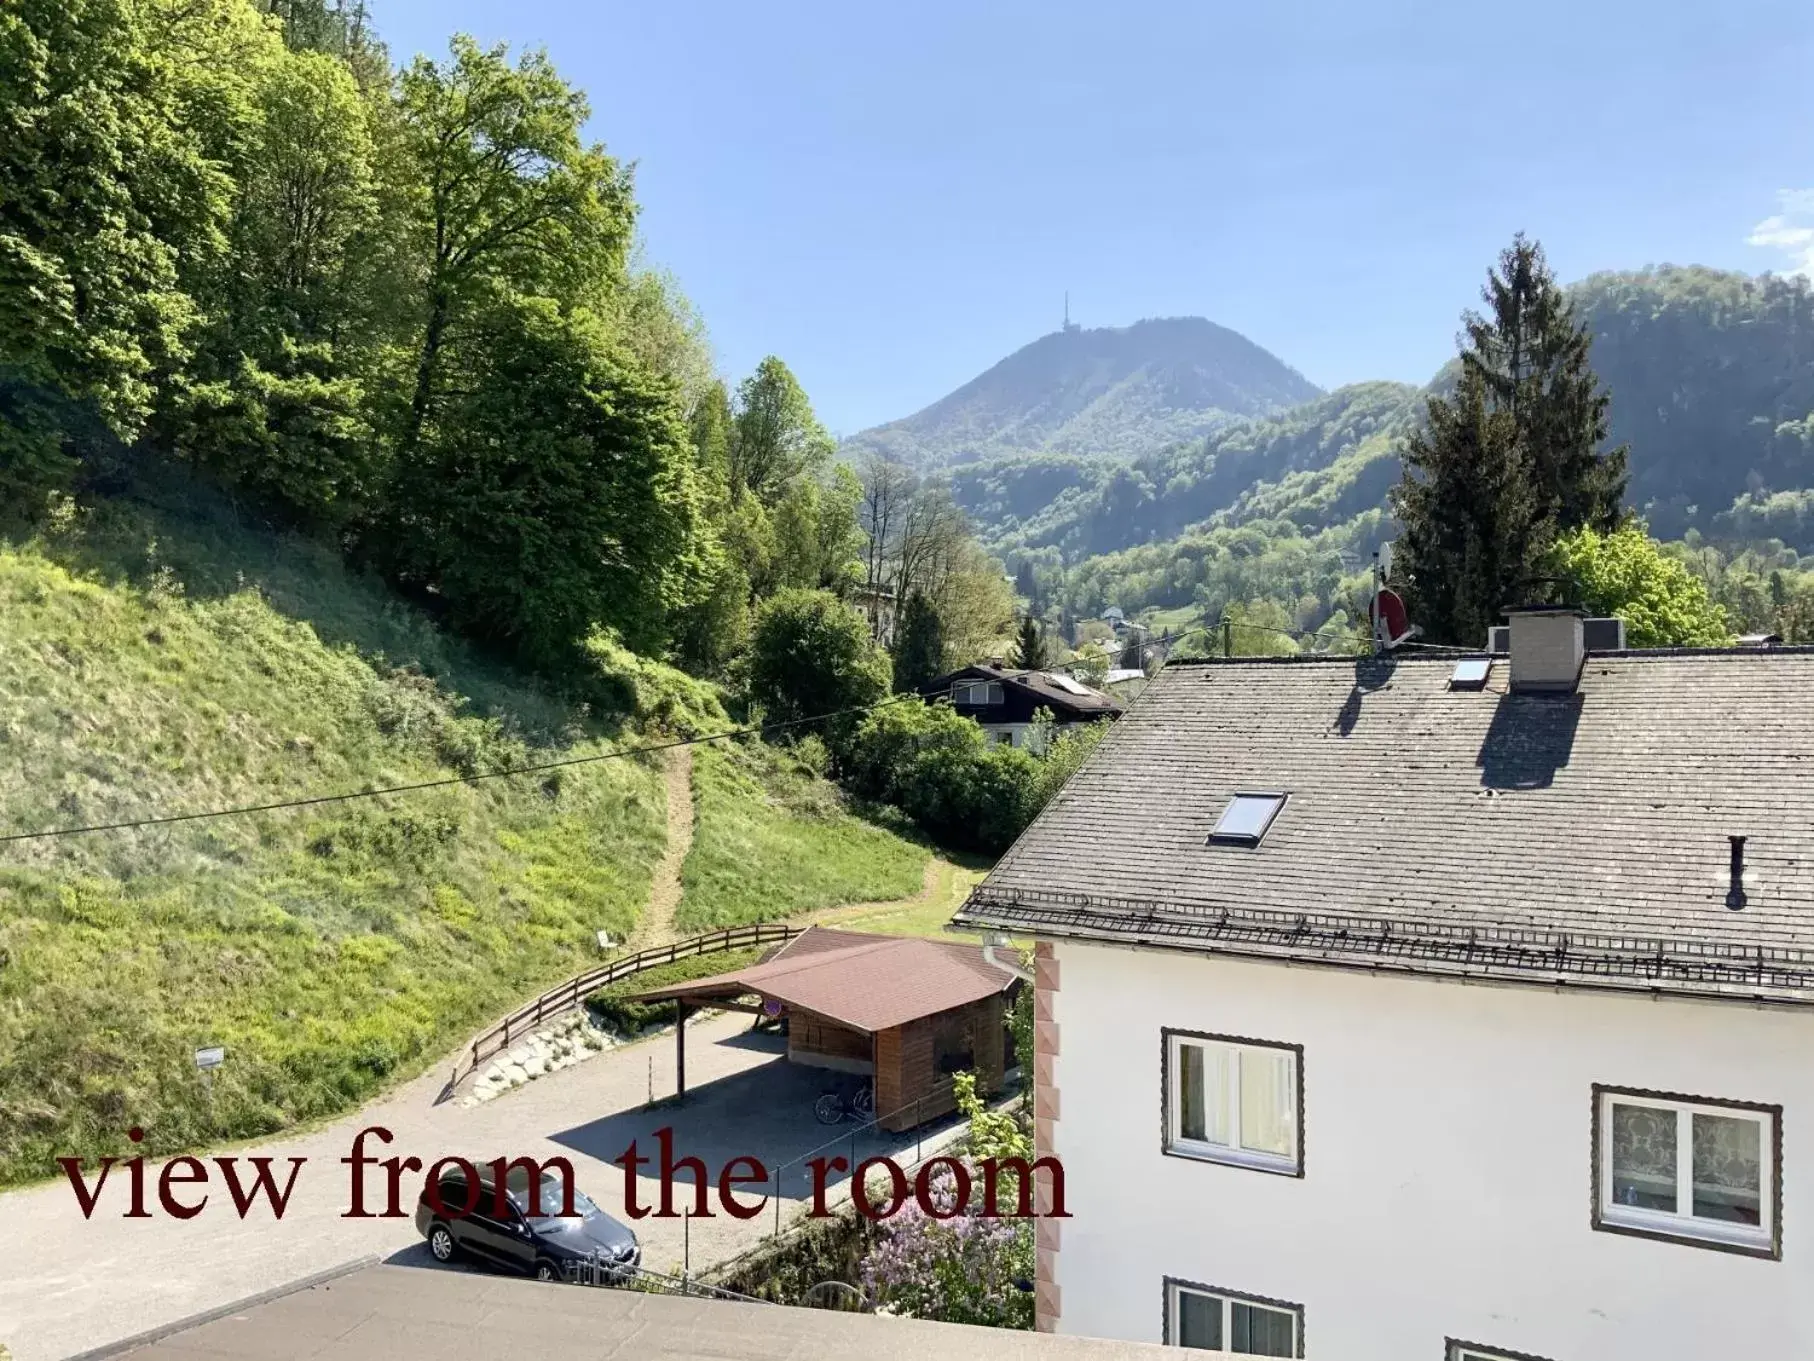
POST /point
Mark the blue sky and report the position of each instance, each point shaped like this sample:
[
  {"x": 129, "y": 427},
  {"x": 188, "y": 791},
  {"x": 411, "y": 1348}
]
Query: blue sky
[{"x": 892, "y": 197}]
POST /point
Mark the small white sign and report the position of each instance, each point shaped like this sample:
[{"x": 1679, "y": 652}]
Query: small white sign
[{"x": 211, "y": 1057}]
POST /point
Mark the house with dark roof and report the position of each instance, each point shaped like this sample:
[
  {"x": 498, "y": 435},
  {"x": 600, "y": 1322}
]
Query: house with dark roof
[
  {"x": 903, "y": 1011},
  {"x": 1424, "y": 1006},
  {"x": 1004, "y": 700}
]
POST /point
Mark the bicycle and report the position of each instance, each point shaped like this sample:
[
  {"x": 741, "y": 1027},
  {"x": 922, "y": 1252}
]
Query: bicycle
[{"x": 835, "y": 1107}]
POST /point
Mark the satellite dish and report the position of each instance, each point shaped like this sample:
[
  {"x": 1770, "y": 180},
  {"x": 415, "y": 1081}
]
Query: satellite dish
[{"x": 1392, "y": 623}]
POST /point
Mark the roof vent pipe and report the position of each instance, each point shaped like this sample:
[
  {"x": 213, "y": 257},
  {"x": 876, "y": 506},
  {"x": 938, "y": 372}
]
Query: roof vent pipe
[{"x": 1735, "y": 895}]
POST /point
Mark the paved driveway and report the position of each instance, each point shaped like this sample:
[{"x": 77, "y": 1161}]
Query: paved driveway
[{"x": 69, "y": 1284}]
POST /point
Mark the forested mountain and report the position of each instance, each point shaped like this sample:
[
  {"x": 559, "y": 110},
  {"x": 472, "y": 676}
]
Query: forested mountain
[
  {"x": 1105, "y": 391},
  {"x": 1711, "y": 376}
]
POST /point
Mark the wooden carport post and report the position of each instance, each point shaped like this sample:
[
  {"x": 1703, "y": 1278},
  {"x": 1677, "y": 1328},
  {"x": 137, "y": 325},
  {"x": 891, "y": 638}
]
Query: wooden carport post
[{"x": 681, "y": 1010}]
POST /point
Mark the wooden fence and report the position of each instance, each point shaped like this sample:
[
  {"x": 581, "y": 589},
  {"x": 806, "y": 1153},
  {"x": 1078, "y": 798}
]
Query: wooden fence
[{"x": 574, "y": 991}]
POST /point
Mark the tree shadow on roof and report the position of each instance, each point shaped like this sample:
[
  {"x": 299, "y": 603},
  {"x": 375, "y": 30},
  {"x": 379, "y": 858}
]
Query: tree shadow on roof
[
  {"x": 1530, "y": 739},
  {"x": 1370, "y": 674}
]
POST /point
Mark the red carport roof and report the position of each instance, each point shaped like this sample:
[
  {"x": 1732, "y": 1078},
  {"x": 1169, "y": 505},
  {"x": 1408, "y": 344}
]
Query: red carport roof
[{"x": 867, "y": 982}]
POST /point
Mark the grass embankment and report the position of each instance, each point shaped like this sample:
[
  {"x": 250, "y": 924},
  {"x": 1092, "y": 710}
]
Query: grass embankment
[
  {"x": 925, "y": 914},
  {"x": 156, "y": 661},
  {"x": 772, "y": 840},
  {"x": 613, "y": 1006}
]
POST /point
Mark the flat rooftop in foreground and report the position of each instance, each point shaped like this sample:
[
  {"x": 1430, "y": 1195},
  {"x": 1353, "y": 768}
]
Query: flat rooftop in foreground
[{"x": 381, "y": 1312}]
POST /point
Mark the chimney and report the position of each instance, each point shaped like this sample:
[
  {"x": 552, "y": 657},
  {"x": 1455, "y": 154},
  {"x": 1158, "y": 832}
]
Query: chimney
[
  {"x": 1735, "y": 895},
  {"x": 1547, "y": 647}
]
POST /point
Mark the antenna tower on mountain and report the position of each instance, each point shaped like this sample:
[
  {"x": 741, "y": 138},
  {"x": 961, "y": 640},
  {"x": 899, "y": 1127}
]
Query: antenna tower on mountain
[{"x": 1069, "y": 325}]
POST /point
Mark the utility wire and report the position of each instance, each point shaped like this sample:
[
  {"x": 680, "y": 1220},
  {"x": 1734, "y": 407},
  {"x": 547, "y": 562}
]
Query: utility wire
[
  {"x": 539, "y": 766},
  {"x": 621, "y": 754}
]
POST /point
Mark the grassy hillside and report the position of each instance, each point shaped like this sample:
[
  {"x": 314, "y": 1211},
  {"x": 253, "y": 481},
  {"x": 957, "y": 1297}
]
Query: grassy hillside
[
  {"x": 773, "y": 840},
  {"x": 156, "y": 658}
]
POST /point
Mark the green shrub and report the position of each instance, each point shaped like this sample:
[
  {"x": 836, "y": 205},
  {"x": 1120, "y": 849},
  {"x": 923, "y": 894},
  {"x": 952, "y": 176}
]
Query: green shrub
[
  {"x": 614, "y": 1009},
  {"x": 942, "y": 770},
  {"x": 812, "y": 654}
]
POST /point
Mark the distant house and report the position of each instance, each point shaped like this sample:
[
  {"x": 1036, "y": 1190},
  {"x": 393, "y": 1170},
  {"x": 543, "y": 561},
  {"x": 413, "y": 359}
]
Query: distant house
[
  {"x": 1003, "y": 700},
  {"x": 1115, "y": 618},
  {"x": 1475, "y": 998}
]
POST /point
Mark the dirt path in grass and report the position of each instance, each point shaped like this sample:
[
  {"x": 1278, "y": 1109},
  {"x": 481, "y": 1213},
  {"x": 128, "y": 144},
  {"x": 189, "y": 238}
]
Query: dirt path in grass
[
  {"x": 935, "y": 881},
  {"x": 656, "y": 926}
]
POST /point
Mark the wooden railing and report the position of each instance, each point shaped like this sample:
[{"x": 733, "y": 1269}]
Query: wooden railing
[{"x": 571, "y": 993}]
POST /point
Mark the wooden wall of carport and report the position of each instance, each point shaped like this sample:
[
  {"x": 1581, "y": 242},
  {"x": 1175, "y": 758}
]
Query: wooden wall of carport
[{"x": 909, "y": 1087}]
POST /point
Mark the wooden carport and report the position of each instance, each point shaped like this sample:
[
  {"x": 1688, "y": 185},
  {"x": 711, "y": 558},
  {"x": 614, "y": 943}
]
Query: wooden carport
[{"x": 905, "y": 1010}]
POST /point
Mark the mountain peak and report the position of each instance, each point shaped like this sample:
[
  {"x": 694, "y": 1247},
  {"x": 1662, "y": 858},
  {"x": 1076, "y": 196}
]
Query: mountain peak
[{"x": 1098, "y": 390}]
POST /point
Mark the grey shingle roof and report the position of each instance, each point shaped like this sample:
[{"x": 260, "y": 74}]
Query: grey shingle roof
[{"x": 1579, "y": 838}]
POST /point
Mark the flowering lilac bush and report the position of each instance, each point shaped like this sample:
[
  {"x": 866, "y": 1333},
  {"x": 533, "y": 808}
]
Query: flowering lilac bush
[{"x": 963, "y": 1269}]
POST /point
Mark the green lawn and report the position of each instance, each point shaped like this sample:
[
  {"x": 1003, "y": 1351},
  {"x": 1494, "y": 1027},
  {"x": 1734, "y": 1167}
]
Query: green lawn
[
  {"x": 772, "y": 840},
  {"x": 152, "y": 665},
  {"x": 1173, "y": 620}
]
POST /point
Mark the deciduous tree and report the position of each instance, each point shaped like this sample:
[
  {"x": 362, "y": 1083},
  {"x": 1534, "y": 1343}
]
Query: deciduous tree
[{"x": 1625, "y": 574}]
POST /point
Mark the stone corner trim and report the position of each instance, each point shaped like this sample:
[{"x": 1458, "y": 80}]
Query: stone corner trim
[{"x": 1046, "y": 1302}]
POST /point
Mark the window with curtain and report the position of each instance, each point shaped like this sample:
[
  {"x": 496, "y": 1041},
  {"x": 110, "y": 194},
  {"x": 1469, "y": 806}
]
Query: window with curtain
[
  {"x": 1211, "y": 1320},
  {"x": 1692, "y": 1168},
  {"x": 1233, "y": 1101}
]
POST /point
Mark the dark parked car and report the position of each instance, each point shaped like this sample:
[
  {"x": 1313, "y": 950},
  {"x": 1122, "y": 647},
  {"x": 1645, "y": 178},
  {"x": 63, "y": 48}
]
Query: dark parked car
[{"x": 546, "y": 1245}]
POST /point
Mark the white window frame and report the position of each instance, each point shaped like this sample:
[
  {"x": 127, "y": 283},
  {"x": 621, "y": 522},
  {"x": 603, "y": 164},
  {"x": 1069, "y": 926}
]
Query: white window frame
[
  {"x": 1259, "y": 1160},
  {"x": 964, "y": 692},
  {"x": 1473, "y": 1351},
  {"x": 1175, "y": 1289},
  {"x": 1682, "y": 1225}
]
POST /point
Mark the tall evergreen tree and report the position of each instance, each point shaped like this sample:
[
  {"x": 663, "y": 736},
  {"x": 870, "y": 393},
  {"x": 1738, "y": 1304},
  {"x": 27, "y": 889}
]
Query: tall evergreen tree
[
  {"x": 919, "y": 644},
  {"x": 1532, "y": 356},
  {"x": 1510, "y": 461},
  {"x": 1030, "y": 645},
  {"x": 1467, "y": 507}
]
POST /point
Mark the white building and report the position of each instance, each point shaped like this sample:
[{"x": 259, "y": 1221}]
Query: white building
[{"x": 1389, "y": 1012}]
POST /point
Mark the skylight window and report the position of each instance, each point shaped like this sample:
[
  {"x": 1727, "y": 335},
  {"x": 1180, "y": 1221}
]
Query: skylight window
[
  {"x": 1471, "y": 673},
  {"x": 1246, "y": 819}
]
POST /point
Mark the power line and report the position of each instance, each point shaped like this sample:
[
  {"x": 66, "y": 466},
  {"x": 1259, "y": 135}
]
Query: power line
[{"x": 621, "y": 754}]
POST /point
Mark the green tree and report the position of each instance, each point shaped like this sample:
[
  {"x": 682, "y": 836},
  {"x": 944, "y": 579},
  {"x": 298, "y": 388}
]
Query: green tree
[
  {"x": 105, "y": 184},
  {"x": 1626, "y": 574},
  {"x": 274, "y": 400},
  {"x": 1030, "y": 652},
  {"x": 566, "y": 502},
  {"x": 1091, "y": 665},
  {"x": 1467, "y": 508},
  {"x": 1533, "y": 358},
  {"x": 1510, "y": 461},
  {"x": 815, "y": 540},
  {"x": 508, "y": 198},
  {"x": 775, "y": 436},
  {"x": 811, "y": 654},
  {"x": 919, "y": 644}
]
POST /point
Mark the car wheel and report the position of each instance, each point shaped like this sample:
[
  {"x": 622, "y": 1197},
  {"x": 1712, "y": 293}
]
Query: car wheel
[
  {"x": 546, "y": 1271},
  {"x": 441, "y": 1243}
]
